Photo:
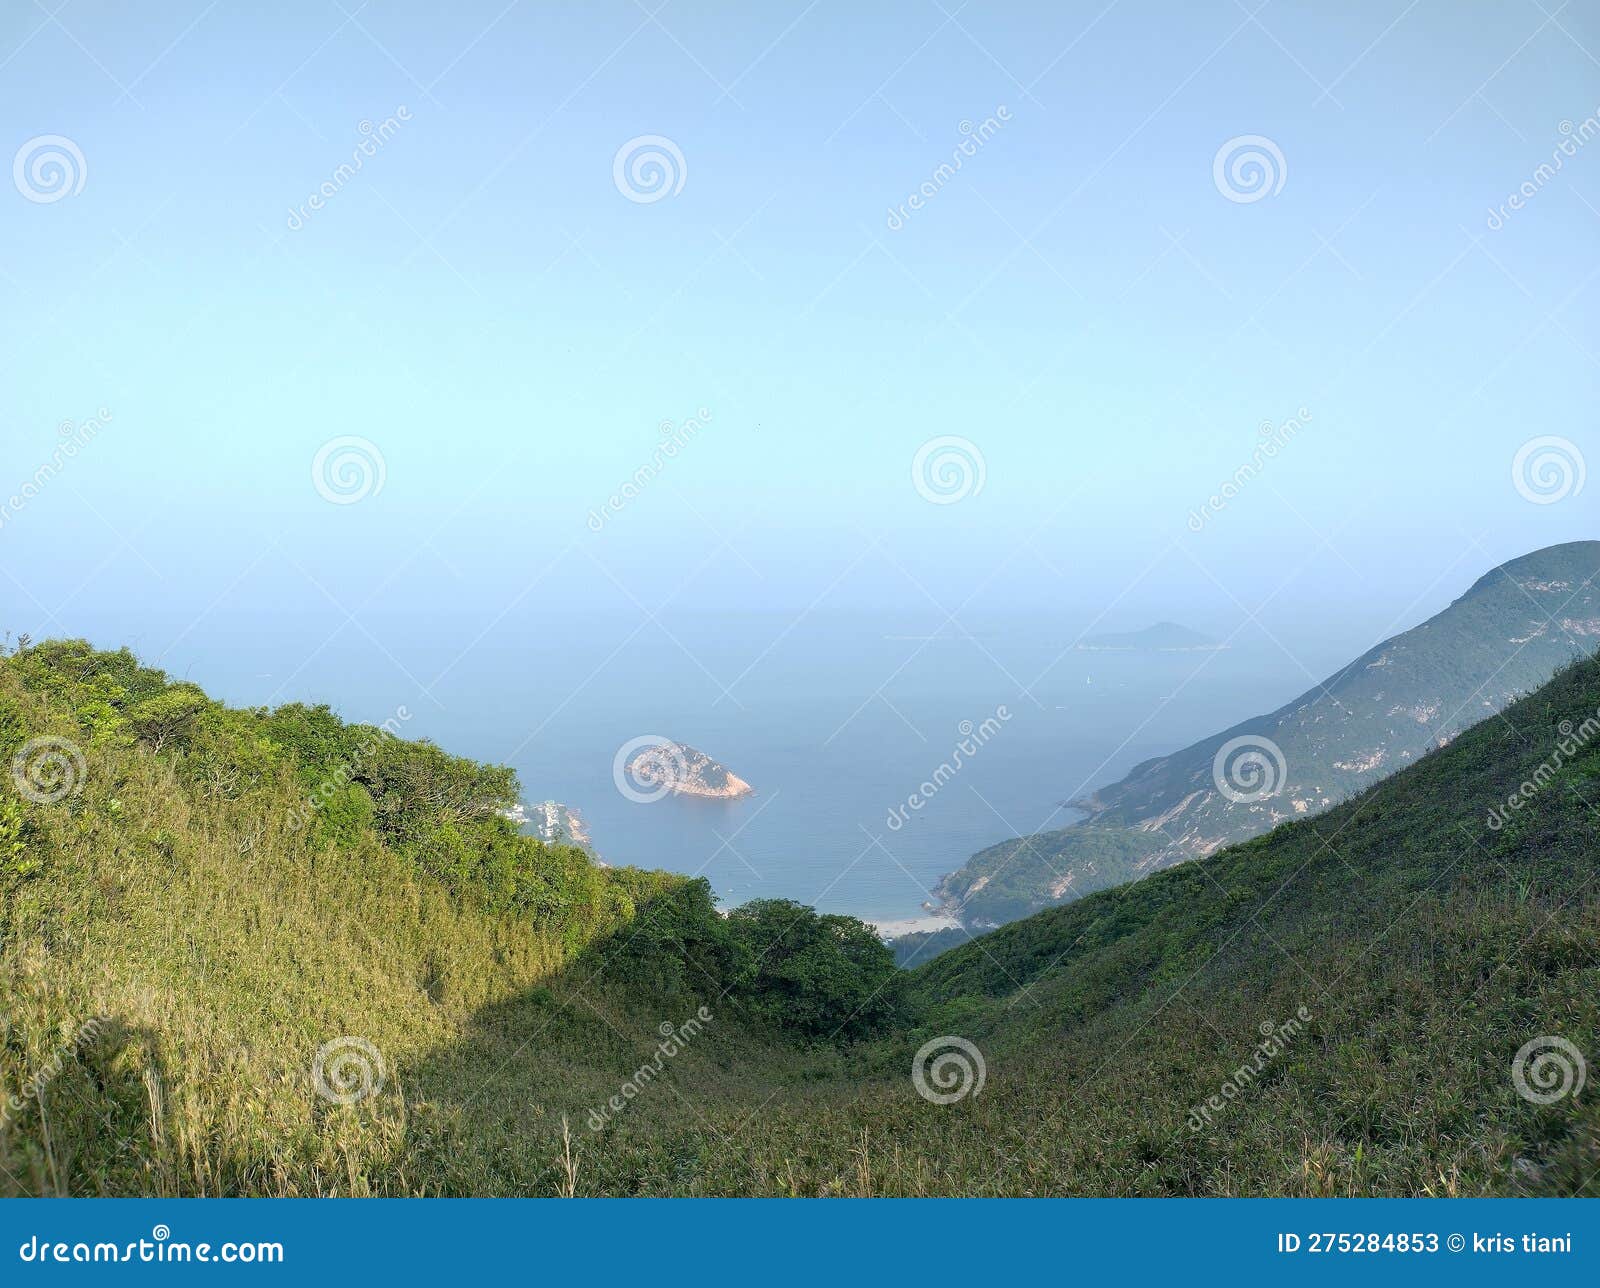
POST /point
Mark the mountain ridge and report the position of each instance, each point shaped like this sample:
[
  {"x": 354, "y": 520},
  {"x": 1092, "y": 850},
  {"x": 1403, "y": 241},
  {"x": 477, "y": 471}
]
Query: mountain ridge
[{"x": 1502, "y": 637}]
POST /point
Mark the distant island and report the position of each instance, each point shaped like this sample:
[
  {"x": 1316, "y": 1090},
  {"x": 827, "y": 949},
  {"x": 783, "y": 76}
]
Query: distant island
[
  {"x": 1163, "y": 637},
  {"x": 687, "y": 771}
]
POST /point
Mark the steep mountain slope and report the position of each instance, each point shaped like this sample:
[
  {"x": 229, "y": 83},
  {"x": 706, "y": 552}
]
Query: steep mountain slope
[
  {"x": 1344, "y": 1006},
  {"x": 1442, "y": 930},
  {"x": 1505, "y": 636}
]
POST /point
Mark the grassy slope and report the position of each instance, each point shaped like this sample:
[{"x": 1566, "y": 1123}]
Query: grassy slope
[
  {"x": 225, "y": 965},
  {"x": 1426, "y": 948}
]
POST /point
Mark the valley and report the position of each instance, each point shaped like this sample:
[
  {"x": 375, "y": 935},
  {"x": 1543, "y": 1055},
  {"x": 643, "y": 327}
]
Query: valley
[{"x": 487, "y": 993}]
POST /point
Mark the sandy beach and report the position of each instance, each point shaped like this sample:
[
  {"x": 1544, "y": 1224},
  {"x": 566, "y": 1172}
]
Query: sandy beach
[{"x": 913, "y": 925}]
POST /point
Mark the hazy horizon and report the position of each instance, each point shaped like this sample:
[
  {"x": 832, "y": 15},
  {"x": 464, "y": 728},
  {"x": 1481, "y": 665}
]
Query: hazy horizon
[{"x": 513, "y": 322}]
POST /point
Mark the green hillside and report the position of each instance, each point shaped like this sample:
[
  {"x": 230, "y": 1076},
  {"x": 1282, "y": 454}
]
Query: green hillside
[
  {"x": 195, "y": 900},
  {"x": 546, "y": 1026},
  {"x": 1504, "y": 637}
]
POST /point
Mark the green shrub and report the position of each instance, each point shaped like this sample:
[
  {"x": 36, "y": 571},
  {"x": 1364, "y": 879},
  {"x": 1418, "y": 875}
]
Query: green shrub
[{"x": 824, "y": 976}]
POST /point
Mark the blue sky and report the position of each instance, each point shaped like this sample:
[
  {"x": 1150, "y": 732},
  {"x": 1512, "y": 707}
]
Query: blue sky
[{"x": 1082, "y": 301}]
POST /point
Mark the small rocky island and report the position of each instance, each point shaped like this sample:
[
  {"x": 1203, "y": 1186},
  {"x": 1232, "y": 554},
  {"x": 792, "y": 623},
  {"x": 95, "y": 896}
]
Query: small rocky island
[{"x": 686, "y": 771}]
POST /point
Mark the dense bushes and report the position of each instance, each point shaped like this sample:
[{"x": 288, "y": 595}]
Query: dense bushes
[
  {"x": 781, "y": 964},
  {"x": 826, "y": 976},
  {"x": 355, "y": 785},
  {"x": 441, "y": 813}
]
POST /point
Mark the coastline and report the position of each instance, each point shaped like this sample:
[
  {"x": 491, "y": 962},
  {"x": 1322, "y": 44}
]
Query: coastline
[
  {"x": 893, "y": 928},
  {"x": 732, "y": 789}
]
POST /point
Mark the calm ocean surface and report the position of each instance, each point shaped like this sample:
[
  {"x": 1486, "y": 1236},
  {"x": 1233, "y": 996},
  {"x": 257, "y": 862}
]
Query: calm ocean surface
[
  {"x": 833, "y": 722},
  {"x": 837, "y": 728}
]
